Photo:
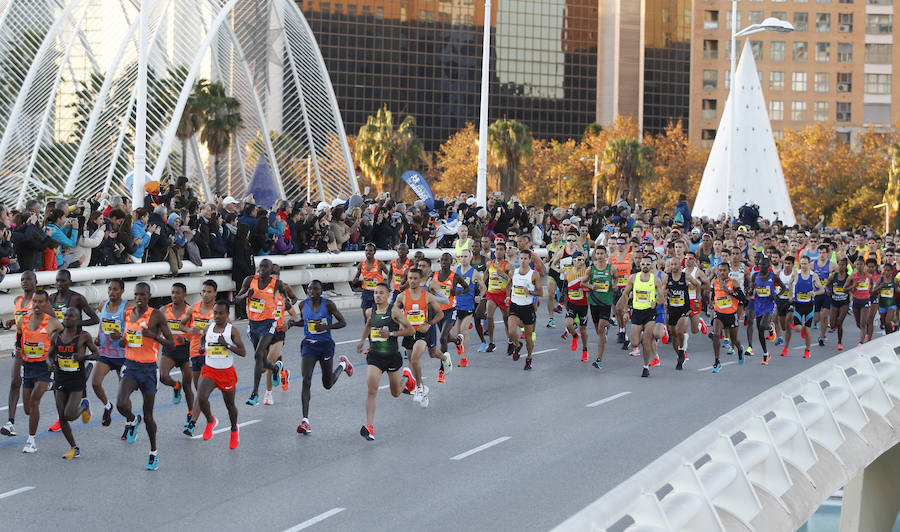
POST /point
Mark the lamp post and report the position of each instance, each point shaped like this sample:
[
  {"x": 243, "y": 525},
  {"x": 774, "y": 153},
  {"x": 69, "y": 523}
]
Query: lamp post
[
  {"x": 558, "y": 189},
  {"x": 481, "y": 180},
  {"x": 887, "y": 214},
  {"x": 596, "y": 171},
  {"x": 769, "y": 24}
]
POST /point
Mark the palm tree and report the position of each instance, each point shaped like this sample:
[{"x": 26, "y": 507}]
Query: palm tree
[
  {"x": 221, "y": 120},
  {"x": 629, "y": 162},
  {"x": 510, "y": 144},
  {"x": 191, "y": 120},
  {"x": 384, "y": 153}
]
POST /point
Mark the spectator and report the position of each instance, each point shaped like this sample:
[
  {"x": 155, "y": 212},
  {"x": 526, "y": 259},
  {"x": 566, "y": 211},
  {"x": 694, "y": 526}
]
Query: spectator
[
  {"x": 29, "y": 239},
  {"x": 683, "y": 213},
  {"x": 242, "y": 265},
  {"x": 61, "y": 229},
  {"x": 248, "y": 216},
  {"x": 229, "y": 206},
  {"x": 140, "y": 234},
  {"x": 92, "y": 237},
  {"x": 217, "y": 244},
  {"x": 201, "y": 231}
]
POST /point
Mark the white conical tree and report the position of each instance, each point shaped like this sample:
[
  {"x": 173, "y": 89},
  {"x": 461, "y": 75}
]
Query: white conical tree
[{"x": 757, "y": 177}]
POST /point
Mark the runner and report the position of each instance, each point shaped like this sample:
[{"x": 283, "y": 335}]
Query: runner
[
  {"x": 806, "y": 286},
  {"x": 697, "y": 296},
  {"x": 450, "y": 284},
  {"x": 645, "y": 292},
  {"x": 553, "y": 279},
  {"x": 316, "y": 316},
  {"x": 277, "y": 344},
  {"x": 112, "y": 355},
  {"x": 783, "y": 302},
  {"x": 22, "y": 306},
  {"x": 194, "y": 324},
  {"x": 887, "y": 306},
  {"x": 526, "y": 288},
  {"x": 179, "y": 356},
  {"x": 872, "y": 271},
  {"x": 599, "y": 280},
  {"x": 840, "y": 299},
  {"x": 678, "y": 308},
  {"x": 219, "y": 341},
  {"x": 621, "y": 263},
  {"x": 465, "y": 304},
  {"x": 462, "y": 241},
  {"x": 576, "y": 303},
  {"x": 480, "y": 263},
  {"x": 372, "y": 271},
  {"x": 764, "y": 284},
  {"x": 145, "y": 331},
  {"x": 34, "y": 333},
  {"x": 499, "y": 275},
  {"x": 399, "y": 267},
  {"x": 261, "y": 310},
  {"x": 67, "y": 357},
  {"x": 726, "y": 298},
  {"x": 422, "y": 311},
  {"x": 860, "y": 283},
  {"x": 383, "y": 325},
  {"x": 822, "y": 268}
]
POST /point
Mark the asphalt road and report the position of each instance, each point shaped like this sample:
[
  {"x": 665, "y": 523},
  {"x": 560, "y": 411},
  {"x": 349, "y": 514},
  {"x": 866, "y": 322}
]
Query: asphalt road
[{"x": 546, "y": 444}]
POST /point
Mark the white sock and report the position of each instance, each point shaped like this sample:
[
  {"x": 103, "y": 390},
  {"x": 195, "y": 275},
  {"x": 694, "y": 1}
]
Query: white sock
[
  {"x": 30, "y": 439},
  {"x": 154, "y": 453},
  {"x": 108, "y": 405},
  {"x": 686, "y": 338},
  {"x": 343, "y": 365}
]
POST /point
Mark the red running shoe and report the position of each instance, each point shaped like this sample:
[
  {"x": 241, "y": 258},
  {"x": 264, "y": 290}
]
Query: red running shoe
[
  {"x": 410, "y": 380},
  {"x": 584, "y": 355},
  {"x": 654, "y": 362},
  {"x": 55, "y": 427},
  {"x": 704, "y": 328},
  {"x": 574, "y": 346},
  {"x": 463, "y": 362},
  {"x": 784, "y": 352},
  {"x": 806, "y": 353},
  {"x": 303, "y": 427},
  {"x": 665, "y": 336},
  {"x": 440, "y": 377},
  {"x": 348, "y": 367},
  {"x": 367, "y": 432},
  {"x": 235, "y": 439},
  {"x": 208, "y": 431}
]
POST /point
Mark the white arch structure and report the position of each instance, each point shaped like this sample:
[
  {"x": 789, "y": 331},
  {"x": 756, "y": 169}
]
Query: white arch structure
[{"x": 68, "y": 90}]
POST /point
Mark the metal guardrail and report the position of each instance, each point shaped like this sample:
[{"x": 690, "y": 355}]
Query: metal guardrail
[{"x": 768, "y": 464}]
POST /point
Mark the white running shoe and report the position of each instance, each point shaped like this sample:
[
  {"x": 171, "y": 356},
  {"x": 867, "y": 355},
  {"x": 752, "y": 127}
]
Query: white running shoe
[
  {"x": 268, "y": 400},
  {"x": 424, "y": 400},
  {"x": 448, "y": 362},
  {"x": 417, "y": 394},
  {"x": 8, "y": 429},
  {"x": 30, "y": 447}
]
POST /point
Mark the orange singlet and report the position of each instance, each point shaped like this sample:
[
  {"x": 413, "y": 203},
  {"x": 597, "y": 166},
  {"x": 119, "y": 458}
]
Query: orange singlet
[
  {"x": 136, "y": 348},
  {"x": 201, "y": 320},
  {"x": 448, "y": 288},
  {"x": 175, "y": 324},
  {"x": 35, "y": 344},
  {"x": 261, "y": 301},
  {"x": 371, "y": 278},
  {"x": 398, "y": 272},
  {"x": 416, "y": 310}
]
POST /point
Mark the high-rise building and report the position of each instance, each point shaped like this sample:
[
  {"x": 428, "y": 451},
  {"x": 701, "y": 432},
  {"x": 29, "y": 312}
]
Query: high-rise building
[
  {"x": 835, "y": 68},
  {"x": 423, "y": 58}
]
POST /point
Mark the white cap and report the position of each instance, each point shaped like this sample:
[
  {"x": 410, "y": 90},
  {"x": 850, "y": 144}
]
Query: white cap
[
  {"x": 471, "y": 201},
  {"x": 229, "y": 200},
  {"x": 336, "y": 202},
  {"x": 322, "y": 205}
]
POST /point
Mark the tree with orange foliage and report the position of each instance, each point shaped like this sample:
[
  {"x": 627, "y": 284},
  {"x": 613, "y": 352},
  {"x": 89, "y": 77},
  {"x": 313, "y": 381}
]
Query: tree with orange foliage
[
  {"x": 456, "y": 164},
  {"x": 678, "y": 166}
]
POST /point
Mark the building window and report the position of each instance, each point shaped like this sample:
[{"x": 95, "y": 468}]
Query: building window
[
  {"x": 710, "y": 80},
  {"x": 821, "y": 112},
  {"x": 801, "y": 51},
  {"x": 878, "y": 83},
  {"x": 879, "y": 54},
  {"x": 710, "y": 49},
  {"x": 879, "y": 24},
  {"x": 776, "y": 50},
  {"x": 776, "y": 110},
  {"x": 847, "y": 1},
  {"x": 820, "y": 82},
  {"x": 707, "y": 136},
  {"x": 801, "y": 21},
  {"x": 709, "y": 109},
  {"x": 845, "y": 22},
  {"x": 844, "y": 136},
  {"x": 728, "y": 19},
  {"x": 845, "y": 52},
  {"x": 757, "y": 48},
  {"x": 880, "y": 2},
  {"x": 823, "y": 52},
  {"x": 844, "y": 82},
  {"x": 780, "y": 15},
  {"x": 798, "y": 111},
  {"x": 843, "y": 112},
  {"x": 755, "y": 17},
  {"x": 710, "y": 20},
  {"x": 798, "y": 81},
  {"x": 823, "y": 22},
  {"x": 776, "y": 80},
  {"x": 727, "y": 80}
]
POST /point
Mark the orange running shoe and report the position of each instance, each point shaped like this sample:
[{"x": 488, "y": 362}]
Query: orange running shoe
[
  {"x": 840, "y": 347},
  {"x": 285, "y": 380},
  {"x": 685, "y": 355},
  {"x": 459, "y": 345},
  {"x": 665, "y": 336},
  {"x": 440, "y": 375},
  {"x": 367, "y": 432},
  {"x": 654, "y": 362},
  {"x": 574, "y": 346},
  {"x": 765, "y": 359},
  {"x": 806, "y": 353},
  {"x": 463, "y": 362},
  {"x": 235, "y": 439},
  {"x": 208, "y": 431},
  {"x": 784, "y": 352},
  {"x": 584, "y": 355},
  {"x": 55, "y": 427},
  {"x": 410, "y": 380},
  {"x": 704, "y": 328}
]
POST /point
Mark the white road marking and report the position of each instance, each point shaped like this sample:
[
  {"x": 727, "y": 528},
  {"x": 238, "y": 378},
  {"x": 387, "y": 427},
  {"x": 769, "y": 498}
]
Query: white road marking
[
  {"x": 382, "y": 387},
  {"x": 228, "y": 427},
  {"x": 608, "y": 399},
  {"x": 7, "y": 408},
  {"x": 310, "y": 522},
  {"x": 544, "y": 351},
  {"x": 346, "y": 342},
  {"x": 16, "y": 492},
  {"x": 480, "y": 448},
  {"x": 707, "y": 368}
]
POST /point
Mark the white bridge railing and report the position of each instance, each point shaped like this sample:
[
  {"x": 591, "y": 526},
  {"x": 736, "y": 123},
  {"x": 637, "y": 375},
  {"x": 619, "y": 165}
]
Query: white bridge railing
[{"x": 768, "y": 464}]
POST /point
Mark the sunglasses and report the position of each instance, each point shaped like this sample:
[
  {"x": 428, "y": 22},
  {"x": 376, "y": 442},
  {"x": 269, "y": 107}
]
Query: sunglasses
[{"x": 571, "y": 240}]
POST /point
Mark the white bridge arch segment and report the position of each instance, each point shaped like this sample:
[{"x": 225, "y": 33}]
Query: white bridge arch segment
[{"x": 68, "y": 125}]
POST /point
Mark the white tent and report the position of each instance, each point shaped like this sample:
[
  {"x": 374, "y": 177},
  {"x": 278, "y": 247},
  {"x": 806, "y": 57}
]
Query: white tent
[{"x": 757, "y": 177}]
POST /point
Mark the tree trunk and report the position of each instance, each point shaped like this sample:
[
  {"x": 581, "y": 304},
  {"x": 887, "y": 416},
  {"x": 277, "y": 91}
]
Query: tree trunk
[
  {"x": 218, "y": 172},
  {"x": 184, "y": 143}
]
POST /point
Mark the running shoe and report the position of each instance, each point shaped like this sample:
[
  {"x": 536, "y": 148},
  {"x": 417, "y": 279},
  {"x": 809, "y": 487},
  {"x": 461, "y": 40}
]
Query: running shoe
[
  {"x": 463, "y": 362},
  {"x": 303, "y": 427},
  {"x": 803, "y": 333},
  {"x": 551, "y": 323},
  {"x": 348, "y": 367},
  {"x": 821, "y": 342},
  {"x": 741, "y": 357},
  {"x": 626, "y": 345},
  {"x": 54, "y": 427},
  {"x": 424, "y": 401},
  {"x": 176, "y": 393},
  {"x": 132, "y": 429},
  {"x": 574, "y": 346},
  {"x": 410, "y": 380},
  {"x": 704, "y": 328},
  {"x": 268, "y": 399},
  {"x": 654, "y": 362},
  {"x": 189, "y": 428},
  {"x": 187, "y": 419},
  {"x": 30, "y": 447},
  {"x": 448, "y": 362},
  {"x": 620, "y": 338},
  {"x": 686, "y": 356},
  {"x": 482, "y": 347},
  {"x": 459, "y": 345},
  {"x": 73, "y": 453},
  {"x": 367, "y": 432},
  {"x": 253, "y": 400},
  {"x": 276, "y": 375},
  {"x": 527, "y": 364},
  {"x": 417, "y": 394},
  {"x": 806, "y": 353},
  {"x": 85, "y": 410},
  {"x": 765, "y": 359},
  {"x": 564, "y": 335},
  {"x": 125, "y": 433},
  {"x": 235, "y": 439},
  {"x": 680, "y": 364},
  {"x": 779, "y": 341},
  {"x": 522, "y": 335},
  {"x": 731, "y": 350},
  {"x": 517, "y": 352},
  {"x": 440, "y": 377},
  {"x": 584, "y": 355},
  {"x": 636, "y": 352},
  {"x": 816, "y": 325},
  {"x": 784, "y": 352},
  {"x": 490, "y": 348},
  {"x": 153, "y": 462},
  {"x": 726, "y": 343},
  {"x": 840, "y": 348},
  {"x": 665, "y": 336},
  {"x": 285, "y": 379},
  {"x": 645, "y": 372},
  {"x": 717, "y": 366},
  {"x": 107, "y": 416},
  {"x": 8, "y": 429},
  {"x": 598, "y": 364},
  {"x": 558, "y": 309},
  {"x": 210, "y": 427},
  {"x": 771, "y": 336}
]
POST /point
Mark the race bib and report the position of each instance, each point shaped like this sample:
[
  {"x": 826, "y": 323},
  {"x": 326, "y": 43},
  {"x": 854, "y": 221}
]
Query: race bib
[
  {"x": 887, "y": 292},
  {"x": 520, "y": 291},
  {"x": 692, "y": 293},
  {"x": 603, "y": 287},
  {"x": 311, "y": 326},
  {"x": 621, "y": 281},
  {"x": 723, "y": 302},
  {"x": 216, "y": 350},
  {"x": 257, "y": 306},
  {"x": 201, "y": 323},
  {"x": 33, "y": 349},
  {"x": 175, "y": 326},
  {"x": 60, "y": 314},
  {"x": 641, "y": 296},
  {"x": 110, "y": 326},
  {"x": 804, "y": 297},
  {"x": 369, "y": 284},
  {"x": 19, "y": 315},
  {"x": 134, "y": 338},
  {"x": 375, "y": 336},
  {"x": 763, "y": 291},
  {"x": 576, "y": 294},
  {"x": 446, "y": 290},
  {"x": 416, "y": 317},
  {"x": 862, "y": 285},
  {"x": 278, "y": 312},
  {"x": 676, "y": 301},
  {"x": 67, "y": 364},
  {"x": 495, "y": 283},
  {"x": 398, "y": 279},
  {"x": 837, "y": 289}
]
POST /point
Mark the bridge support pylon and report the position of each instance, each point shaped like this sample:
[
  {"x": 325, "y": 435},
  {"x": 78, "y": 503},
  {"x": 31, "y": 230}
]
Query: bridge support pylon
[{"x": 872, "y": 498}]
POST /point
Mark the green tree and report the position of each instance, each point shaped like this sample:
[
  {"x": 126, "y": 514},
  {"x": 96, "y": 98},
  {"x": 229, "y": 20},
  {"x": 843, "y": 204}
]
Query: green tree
[
  {"x": 221, "y": 120},
  {"x": 892, "y": 193},
  {"x": 191, "y": 121},
  {"x": 384, "y": 152},
  {"x": 628, "y": 162},
  {"x": 510, "y": 145}
]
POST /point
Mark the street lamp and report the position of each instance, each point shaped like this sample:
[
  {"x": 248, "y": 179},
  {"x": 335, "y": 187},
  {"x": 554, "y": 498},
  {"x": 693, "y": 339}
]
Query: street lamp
[
  {"x": 596, "y": 171},
  {"x": 558, "y": 176},
  {"x": 887, "y": 214},
  {"x": 769, "y": 24}
]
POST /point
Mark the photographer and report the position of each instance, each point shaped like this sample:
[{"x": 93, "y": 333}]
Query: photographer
[
  {"x": 63, "y": 231},
  {"x": 29, "y": 240},
  {"x": 141, "y": 234}
]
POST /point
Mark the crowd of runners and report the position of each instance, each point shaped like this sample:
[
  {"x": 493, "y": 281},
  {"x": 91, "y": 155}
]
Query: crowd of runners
[{"x": 633, "y": 284}]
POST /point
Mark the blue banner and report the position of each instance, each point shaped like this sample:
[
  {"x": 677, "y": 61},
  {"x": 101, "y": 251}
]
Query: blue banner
[
  {"x": 417, "y": 182},
  {"x": 262, "y": 185}
]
